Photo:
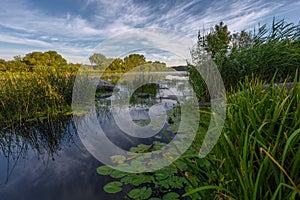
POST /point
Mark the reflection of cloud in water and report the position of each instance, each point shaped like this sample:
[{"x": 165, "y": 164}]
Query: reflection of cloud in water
[{"x": 172, "y": 77}]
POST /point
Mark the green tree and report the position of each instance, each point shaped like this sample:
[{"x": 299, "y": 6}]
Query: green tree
[
  {"x": 240, "y": 40},
  {"x": 134, "y": 60},
  {"x": 49, "y": 58},
  {"x": 55, "y": 58},
  {"x": 199, "y": 52},
  {"x": 100, "y": 60},
  {"x": 117, "y": 65},
  {"x": 218, "y": 40},
  {"x": 2, "y": 65}
]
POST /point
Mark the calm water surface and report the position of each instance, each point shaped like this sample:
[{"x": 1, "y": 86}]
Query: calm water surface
[{"x": 48, "y": 161}]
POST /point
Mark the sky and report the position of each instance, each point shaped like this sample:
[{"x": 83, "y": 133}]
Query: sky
[{"x": 162, "y": 30}]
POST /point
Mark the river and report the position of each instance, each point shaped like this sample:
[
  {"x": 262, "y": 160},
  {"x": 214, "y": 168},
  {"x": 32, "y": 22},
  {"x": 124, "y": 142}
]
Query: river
[{"x": 47, "y": 160}]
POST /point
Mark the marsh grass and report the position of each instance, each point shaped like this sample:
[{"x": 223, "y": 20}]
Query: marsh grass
[
  {"x": 272, "y": 50},
  {"x": 257, "y": 156},
  {"x": 29, "y": 96}
]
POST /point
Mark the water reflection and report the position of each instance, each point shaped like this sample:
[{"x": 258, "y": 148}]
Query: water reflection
[
  {"x": 46, "y": 159},
  {"x": 161, "y": 89},
  {"x": 42, "y": 138}
]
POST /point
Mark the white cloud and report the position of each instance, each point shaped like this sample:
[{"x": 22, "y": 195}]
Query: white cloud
[
  {"x": 149, "y": 42},
  {"x": 24, "y": 41},
  {"x": 75, "y": 36},
  {"x": 29, "y": 20}
]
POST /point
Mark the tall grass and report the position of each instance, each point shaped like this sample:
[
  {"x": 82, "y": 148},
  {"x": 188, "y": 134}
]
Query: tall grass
[
  {"x": 257, "y": 156},
  {"x": 273, "y": 50},
  {"x": 27, "y": 96}
]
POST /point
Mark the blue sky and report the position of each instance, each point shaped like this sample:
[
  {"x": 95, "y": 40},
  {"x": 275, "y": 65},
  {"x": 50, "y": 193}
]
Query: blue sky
[{"x": 78, "y": 28}]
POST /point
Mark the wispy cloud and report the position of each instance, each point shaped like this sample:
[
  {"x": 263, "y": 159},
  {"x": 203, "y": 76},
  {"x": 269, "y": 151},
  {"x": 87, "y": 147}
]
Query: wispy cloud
[
  {"x": 75, "y": 34},
  {"x": 29, "y": 42}
]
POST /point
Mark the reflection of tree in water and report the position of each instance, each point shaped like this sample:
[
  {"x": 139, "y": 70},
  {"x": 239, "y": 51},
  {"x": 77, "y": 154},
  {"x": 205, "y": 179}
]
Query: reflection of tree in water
[
  {"x": 146, "y": 94},
  {"x": 154, "y": 88},
  {"x": 43, "y": 138}
]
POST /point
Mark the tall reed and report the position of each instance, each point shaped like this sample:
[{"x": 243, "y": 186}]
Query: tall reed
[
  {"x": 257, "y": 156},
  {"x": 26, "y": 96}
]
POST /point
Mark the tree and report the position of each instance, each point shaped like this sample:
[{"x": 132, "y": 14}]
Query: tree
[
  {"x": 239, "y": 40},
  {"x": 117, "y": 65},
  {"x": 217, "y": 43},
  {"x": 218, "y": 40},
  {"x": 2, "y": 65},
  {"x": 49, "y": 58},
  {"x": 199, "y": 52},
  {"x": 134, "y": 60},
  {"x": 100, "y": 60}
]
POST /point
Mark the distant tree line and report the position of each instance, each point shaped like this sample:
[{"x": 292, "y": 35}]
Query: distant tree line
[
  {"x": 51, "y": 59},
  {"x": 99, "y": 61},
  {"x": 37, "y": 60}
]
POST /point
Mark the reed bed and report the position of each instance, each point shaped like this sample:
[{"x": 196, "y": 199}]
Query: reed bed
[
  {"x": 257, "y": 156},
  {"x": 29, "y": 96}
]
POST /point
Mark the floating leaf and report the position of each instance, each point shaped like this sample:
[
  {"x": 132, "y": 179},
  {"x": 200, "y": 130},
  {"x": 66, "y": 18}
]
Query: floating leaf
[
  {"x": 118, "y": 174},
  {"x": 113, "y": 187},
  {"x": 124, "y": 167},
  {"x": 136, "y": 180},
  {"x": 138, "y": 164},
  {"x": 118, "y": 159},
  {"x": 143, "y": 193},
  {"x": 104, "y": 170}
]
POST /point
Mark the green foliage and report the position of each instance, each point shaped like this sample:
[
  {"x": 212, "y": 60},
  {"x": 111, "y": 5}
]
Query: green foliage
[
  {"x": 143, "y": 193},
  {"x": 112, "y": 65},
  {"x": 171, "y": 196},
  {"x": 29, "y": 96},
  {"x": 198, "y": 84},
  {"x": 218, "y": 40},
  {"x": 100, "y": 60},
  {"x": 272, "y": 52},
  {"x": 132, "y": 63},
  {"x": 134, "y": 60},
  {"x": 259, "y": 147},
  {"x": 104, "y": 170},
  {"x": 31, "y": 92},
  {"x": 169, "y": 182},
  {"x": 113, "y": 187},
  {"x": 255, "y": 158},
  {"x": 49, "y": 58},
  {"x": 117, "y": 65},
  {"x": 161, "y": 181}
]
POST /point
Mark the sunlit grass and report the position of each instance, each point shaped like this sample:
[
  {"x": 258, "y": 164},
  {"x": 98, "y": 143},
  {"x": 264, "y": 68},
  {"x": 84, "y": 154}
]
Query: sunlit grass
[{"x": 27, "y": 96}]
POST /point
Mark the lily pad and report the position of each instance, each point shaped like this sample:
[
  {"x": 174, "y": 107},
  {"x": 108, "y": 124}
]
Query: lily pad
[
  {"x": 143, "y": 193},
  {"x": 113, "y": 187},
  {"x": 104, "y": 170}
]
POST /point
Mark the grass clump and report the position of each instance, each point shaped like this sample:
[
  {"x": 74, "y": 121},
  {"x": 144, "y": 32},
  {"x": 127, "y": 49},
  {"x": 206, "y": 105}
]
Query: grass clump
[
  {"x": 257, "y": 155},
  {"x": 42, "y": 93}
]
